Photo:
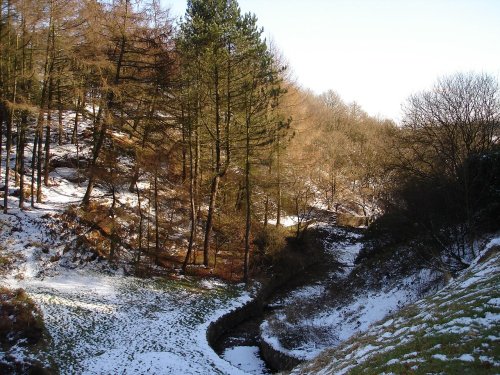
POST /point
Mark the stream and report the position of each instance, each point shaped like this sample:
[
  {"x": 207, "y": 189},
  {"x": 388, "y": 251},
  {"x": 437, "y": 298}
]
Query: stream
[{"x": 240, "y": 344}]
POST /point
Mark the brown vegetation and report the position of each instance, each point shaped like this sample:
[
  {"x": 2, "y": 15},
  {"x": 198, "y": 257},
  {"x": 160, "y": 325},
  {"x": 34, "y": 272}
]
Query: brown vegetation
[{"x": 21, "y": 324}]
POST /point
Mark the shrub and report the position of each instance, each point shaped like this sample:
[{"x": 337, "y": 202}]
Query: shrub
[{"x": 269, "y": 242}]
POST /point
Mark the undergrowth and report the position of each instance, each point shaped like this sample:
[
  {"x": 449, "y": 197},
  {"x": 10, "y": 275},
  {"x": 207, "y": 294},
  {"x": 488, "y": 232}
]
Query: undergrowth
[{"x": 21, "y": 331}]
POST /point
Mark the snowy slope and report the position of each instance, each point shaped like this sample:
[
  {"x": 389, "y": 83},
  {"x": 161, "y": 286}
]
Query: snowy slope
[
  {"x": 100, "y": 321},
  {"x": 455, "y": 330},
  {"x": 323, "y": 315},
  {"x": 103, "y": 322},
  {"x": 108, "y": 324}
]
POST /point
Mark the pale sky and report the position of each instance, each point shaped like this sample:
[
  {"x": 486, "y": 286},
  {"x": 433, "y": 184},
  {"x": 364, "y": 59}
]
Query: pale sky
[{"x": 378, "y": 52}]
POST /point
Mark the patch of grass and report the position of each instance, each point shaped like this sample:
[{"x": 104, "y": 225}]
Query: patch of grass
[
  {"x": 428, "y": 350},
  {"x": 454, "y": 331},
  {"x": 6, "y": 262},
  {"x": 20, "y": 319},
  {"x": 21, "y": 327}
]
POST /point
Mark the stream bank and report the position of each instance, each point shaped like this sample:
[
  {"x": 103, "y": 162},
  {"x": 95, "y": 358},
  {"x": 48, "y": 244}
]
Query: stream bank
[{"x": 241, "y": 327}]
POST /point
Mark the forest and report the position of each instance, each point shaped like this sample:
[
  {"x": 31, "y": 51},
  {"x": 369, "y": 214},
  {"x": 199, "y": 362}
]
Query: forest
[{"x": 197, "y": 153}]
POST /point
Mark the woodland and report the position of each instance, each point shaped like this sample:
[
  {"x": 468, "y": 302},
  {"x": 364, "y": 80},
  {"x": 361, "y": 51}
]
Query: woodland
[
  {"x": 168, "y": 173},
  {"x": 202, "y": 122}
]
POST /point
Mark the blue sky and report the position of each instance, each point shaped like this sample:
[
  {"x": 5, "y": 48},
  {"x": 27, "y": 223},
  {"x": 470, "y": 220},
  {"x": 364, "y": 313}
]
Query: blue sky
[{"x": 378, "y": 52}]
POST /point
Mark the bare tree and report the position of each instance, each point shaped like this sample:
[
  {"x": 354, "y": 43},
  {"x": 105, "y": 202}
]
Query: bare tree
[
  {"x": 446, "y": 130},
  {"x": 459, "y": 117}
]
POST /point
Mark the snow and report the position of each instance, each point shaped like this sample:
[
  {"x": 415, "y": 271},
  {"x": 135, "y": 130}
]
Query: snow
[
  {"x": 309, "y": 291},
  {"x": 441, "y": 357},
  {"x": 490, "y": 360},
  {"x": 339, "y": 323},
  {"x": 246, "y": 358},
  {"x": 343, "y": 245},
  {"x": 431, "y": 317},
  {"x": 116, "y": 324},
  {"x": 286, "y": 221},
  {"x": 466, "y": 358},
  {"x": 100, "y": 321},
  {"x": 360, "y": 314},
  {"x": 364, "y": 351},
  {"x": 363, "y": 311}
]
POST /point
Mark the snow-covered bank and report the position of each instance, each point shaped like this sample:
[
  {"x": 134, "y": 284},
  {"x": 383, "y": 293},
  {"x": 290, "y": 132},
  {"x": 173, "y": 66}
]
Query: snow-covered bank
[
  {"x": 101, "y": 321},
  {"x": 332, "y": 310},
  {"x": 113, "y": 324},
  {"x": 456, "y": 329},
  {"x": 246, "y": 358}
]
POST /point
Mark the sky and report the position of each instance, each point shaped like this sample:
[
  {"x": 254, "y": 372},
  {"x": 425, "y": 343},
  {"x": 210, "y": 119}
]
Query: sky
[{"x": 378, "y": 52}]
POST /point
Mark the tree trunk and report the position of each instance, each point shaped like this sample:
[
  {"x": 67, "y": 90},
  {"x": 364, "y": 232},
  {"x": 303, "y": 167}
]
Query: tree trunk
[
  {"x": 60, "y": 112},
  {"x": 148, "y": 229},
  {"x": 113, "y": 241},
  {"x": 33, "y": 168},
  {"x": 3, "y": 86},
  {"x": 47, "y": 136},
  {"x": 297, "y": 211},
  {"x": 218, "y": 170},
  {"x": 266, "y": 211},
  {"x": 39, "y": 165},
  {"x": 278, "y": 184},
  {"x": 22, "y": 142},
  {"x": 75, "y": 124},
  {"x": 1, "y": 109},
  {"x": 8, "y": 147},
  {"x": 248, "y": 221},
  {"x": 192, "y": 202},
  {"x": 109, "y": 106},
  {"x": 157, "y": 226},
  {"x": 9, "y": 111},
  {"x": 184, "y": 148},
  {"x": 211, "y": 208},
  {"x": 96, "y": 152},
  {"x": 141, "y": 220},
  {"x": 135, "y": 176}
]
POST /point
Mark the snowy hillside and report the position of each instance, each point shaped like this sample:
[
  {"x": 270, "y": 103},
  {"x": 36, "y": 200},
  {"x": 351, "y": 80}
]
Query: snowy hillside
[
  {"x": 103, "y": 322},
  {"x": 112, "y": 324},
  {"x": 100, "y": 321},
  {"x": 342, "y": 303},
  {"x": 457, "y": 329}
]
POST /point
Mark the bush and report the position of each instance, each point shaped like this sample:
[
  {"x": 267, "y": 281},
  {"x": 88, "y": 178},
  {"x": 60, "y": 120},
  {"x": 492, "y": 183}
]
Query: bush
[
  {"x": 442, "y": 217},
  {"x": 269, "y": 241},
  {"x": 484, "y": 170},
  {"x": 20, "y": 319}
]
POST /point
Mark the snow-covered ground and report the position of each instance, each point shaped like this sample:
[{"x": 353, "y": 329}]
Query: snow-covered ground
[
  {"x": 103, "y": 322},
  {"x": 110, "y": 324},
  {"x": 286, "y": 221},
  {"x": 457, "y": 326},
  {"x": 307, "y": 329},
  {"x": 246, "y": 358},
  {"x": 100, "y": 321}
]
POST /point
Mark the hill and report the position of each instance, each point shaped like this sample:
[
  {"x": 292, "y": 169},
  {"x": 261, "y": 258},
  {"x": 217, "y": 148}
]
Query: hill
[{"x": 455, "y": 330}]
